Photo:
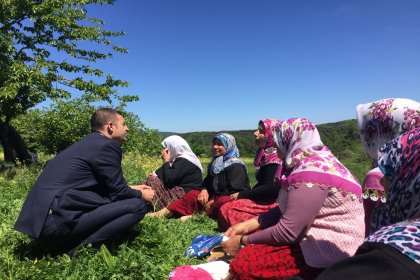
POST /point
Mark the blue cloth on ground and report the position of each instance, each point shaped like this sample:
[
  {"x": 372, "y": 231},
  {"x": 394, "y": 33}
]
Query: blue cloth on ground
[{"x": 202, "y": 245}]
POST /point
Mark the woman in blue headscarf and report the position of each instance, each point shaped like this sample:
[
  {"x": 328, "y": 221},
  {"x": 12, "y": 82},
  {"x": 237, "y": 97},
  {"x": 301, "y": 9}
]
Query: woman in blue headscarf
[{"x": 226, "y": 175}]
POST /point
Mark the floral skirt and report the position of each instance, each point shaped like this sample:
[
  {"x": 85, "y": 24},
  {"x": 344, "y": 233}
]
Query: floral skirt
[
  {"x": 163, "y": 196},
  {"x": 241, "y": 210},
  {"x": 270, "y": 262}
]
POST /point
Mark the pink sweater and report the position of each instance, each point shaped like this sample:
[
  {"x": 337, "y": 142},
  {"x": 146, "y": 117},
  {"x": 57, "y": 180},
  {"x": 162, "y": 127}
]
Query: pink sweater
[{"x": 328, "y": 225}]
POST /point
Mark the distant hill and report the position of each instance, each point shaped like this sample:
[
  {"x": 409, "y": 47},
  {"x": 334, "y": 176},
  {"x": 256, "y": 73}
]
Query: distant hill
[
  {"x": 166, "y": 134},
  {"x": 341, "y": 137}
]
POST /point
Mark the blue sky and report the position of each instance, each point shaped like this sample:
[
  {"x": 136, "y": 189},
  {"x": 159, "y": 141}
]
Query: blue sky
[{"x": 213, "y": 65}]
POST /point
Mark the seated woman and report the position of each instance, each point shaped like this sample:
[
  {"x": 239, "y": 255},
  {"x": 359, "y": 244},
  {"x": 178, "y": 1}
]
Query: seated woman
[
  {"x": 392, "y": 252},
  {"x": 178, "y": 181},
  {"x": 226, "y": 175},
  {"x": 262, "y": 197},
  {"x": 319, "y": 220},
  {"x": 379, "y": 122}
]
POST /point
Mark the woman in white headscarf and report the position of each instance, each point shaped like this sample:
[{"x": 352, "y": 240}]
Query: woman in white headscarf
[{"x": 178, "y": 181}]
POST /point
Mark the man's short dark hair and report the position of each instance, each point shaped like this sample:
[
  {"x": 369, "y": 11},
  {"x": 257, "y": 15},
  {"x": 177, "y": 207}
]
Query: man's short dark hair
[{"x": 102, "y": 116}]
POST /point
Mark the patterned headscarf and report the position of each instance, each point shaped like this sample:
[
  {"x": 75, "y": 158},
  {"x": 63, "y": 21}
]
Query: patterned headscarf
[
  {"x": 231, "y": 156},
  {"x": 380, "y": 122},
  {"x": 403, "y": 236},
  {"x": 180, "y": 148},
  {"x": 383, "y": 120},
  {"x": 308, "y": 161},
  {"x": 399, "y": 160},
  {"x": 268, "y": 153}
]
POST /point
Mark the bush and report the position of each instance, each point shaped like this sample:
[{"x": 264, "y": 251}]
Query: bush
[{"x": 53, "y": 129}]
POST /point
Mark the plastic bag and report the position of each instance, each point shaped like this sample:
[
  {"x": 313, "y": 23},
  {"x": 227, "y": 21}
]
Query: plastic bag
[{"x": 202, "y": 244}]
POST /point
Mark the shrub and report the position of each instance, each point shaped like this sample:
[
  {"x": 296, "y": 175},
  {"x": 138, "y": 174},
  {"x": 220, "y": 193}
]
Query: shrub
[{"x": 53, "y": 129}]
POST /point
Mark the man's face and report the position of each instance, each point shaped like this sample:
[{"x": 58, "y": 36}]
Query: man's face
[{"x": 119, "y": 129}]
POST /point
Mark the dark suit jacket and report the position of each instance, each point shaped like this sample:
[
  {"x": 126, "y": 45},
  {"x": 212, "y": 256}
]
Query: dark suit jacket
[{"x": 81, "y": 178}]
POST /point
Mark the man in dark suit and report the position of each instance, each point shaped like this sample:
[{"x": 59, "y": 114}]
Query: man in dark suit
[{"x": 81, "y": 196}]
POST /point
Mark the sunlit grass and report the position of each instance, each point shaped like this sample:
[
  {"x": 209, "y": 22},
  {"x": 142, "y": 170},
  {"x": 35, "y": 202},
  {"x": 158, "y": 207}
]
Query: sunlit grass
[{"x": 156, "y": 246}]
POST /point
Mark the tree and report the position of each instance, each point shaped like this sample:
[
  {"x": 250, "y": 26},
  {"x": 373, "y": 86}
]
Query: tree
[{"x": 43, "y": 56}]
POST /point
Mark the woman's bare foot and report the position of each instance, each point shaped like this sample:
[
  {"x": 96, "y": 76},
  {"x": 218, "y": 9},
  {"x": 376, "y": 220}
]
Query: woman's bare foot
[
  {"x": 159, "y": 214},
  {"x": 184, "y": 218}
]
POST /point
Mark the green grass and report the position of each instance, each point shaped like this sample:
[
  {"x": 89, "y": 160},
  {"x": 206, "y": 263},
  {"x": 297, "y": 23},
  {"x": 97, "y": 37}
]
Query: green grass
[{"x": 156, "y": 246}]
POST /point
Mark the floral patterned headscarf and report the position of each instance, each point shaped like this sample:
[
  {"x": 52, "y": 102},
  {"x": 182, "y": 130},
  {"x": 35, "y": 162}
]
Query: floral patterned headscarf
[
  {"x": 230, "y": 157},
  {"x": 399, "y": 160},
  {"x": 380, "y": 122},
  {"x": 308, "y": 161},
  {"x": 383, "y": 120},
  {"x": 268, "y": 153}
]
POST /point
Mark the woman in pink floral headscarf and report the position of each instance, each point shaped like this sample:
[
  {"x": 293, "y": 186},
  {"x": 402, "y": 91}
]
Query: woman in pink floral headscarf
[
  {"x": 379, "y": 122},
  {"x": 392, "y": 252},
  {"x": 319, "y": 220},
  {"x": 248, "y": 204}
]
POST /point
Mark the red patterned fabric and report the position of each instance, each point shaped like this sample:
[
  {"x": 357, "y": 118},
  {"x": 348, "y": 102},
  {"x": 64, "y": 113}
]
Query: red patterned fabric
[
  {"x": 186, "y": 205},
  {"x": 163, "y": 196},
  {"x": 241, "y": 210},
  {"x": 270, "y": 262}
]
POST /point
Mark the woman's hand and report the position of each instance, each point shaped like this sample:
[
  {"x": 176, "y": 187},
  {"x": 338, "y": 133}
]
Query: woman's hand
[
  {"x": 234, "y": 196},
  {"x": 203, "y": 197},
  {"x": 243, "y": 228},
  {"x": 232, "y": 245},
  {"x": 208, "y": 204}
]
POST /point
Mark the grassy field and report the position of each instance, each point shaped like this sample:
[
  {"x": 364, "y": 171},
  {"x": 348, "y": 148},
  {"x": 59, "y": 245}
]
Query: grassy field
[{"x": 154, "y": 248}]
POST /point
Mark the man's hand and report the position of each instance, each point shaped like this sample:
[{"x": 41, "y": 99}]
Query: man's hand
[
  {"x": 147, "y": 193},
  {"x": 141, "y": 187}
]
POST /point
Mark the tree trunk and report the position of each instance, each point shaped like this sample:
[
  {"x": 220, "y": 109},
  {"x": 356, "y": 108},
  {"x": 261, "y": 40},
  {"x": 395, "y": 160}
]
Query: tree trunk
[
  {"x": 14, "y": 147},
  {"x": 8, "y": 152}
]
